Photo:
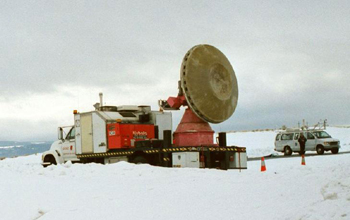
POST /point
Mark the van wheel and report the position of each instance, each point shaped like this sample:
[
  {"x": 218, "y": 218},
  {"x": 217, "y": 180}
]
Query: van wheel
[
  {"x": 335, "y": 150},
  {"x": 287, "y": 151},
  {"x": 320, "y": 149}
]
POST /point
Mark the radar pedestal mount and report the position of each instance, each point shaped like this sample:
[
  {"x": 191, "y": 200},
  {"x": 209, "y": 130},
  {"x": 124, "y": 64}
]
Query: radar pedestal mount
[{"x": 208, "y": 86}]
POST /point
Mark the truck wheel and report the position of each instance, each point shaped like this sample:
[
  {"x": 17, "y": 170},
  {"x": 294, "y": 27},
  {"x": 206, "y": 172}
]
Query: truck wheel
[
  {"x": 287, "y": 151},
  {"x": 50, "y": 159},
  {"x": 320, "y": 149},
  {"x": 335, "y": 150},
  {"x": 139, "y": 160}
]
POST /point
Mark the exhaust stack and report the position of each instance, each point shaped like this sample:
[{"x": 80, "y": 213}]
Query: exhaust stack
[{"x": 101, "y": 99}]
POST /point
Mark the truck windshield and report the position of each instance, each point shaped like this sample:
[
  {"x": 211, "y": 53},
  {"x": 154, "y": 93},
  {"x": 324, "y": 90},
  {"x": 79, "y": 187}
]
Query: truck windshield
[
  {"x": 71, "y": 134},
  {"x": 321, "y": 134}
]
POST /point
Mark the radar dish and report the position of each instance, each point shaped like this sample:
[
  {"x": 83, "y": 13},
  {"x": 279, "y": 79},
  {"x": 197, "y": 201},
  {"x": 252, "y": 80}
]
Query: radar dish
[{"x": 209, "y": 83}]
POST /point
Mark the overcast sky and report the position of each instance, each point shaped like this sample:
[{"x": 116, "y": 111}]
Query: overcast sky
[{"x": 291, "y": 58}]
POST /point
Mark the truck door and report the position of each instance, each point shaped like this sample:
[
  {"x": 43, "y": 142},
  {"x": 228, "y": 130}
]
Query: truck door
[
  {"x": 311, "y": 142},
  {"x": 68, "y": 146}
]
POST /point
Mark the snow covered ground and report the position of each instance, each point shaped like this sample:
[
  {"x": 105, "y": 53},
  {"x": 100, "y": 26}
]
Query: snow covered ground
[{"x": 287, "y": 190}]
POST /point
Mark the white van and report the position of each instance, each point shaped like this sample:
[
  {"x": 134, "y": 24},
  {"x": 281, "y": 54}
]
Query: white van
[{"x": 317, "y": 140}]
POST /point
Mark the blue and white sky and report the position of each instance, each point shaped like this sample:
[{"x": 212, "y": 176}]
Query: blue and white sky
[{"x": 291, "y": 58}]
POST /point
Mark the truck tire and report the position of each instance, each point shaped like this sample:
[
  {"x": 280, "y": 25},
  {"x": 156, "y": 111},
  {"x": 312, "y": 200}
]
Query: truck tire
[
  {"x": 50, "y": 159},
  {"x": 139, "y": 160},
  {"x": 320, "y": 149},
  {"x": 335, "y": 150},
  {"x": 287, "y": 151}
]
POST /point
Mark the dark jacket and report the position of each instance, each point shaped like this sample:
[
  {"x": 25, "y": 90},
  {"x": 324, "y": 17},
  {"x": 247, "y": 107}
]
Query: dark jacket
[{"x": 302, "y": 140}]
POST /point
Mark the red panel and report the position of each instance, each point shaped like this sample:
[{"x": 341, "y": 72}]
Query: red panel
[
  {"x": 113, "y": 135},
  {"x": 193, "y": 131},
  {"x": 124, "y": 135}
]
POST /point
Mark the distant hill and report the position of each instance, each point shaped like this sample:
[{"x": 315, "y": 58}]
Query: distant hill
[{"x": 20, "y": 148}]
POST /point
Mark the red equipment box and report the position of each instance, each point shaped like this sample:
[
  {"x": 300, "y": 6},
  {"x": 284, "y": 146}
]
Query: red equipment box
[{"x": 125, "y": 135}]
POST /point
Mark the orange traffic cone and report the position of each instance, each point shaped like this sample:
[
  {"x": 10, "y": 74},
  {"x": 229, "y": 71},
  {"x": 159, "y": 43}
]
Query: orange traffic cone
[
  {"x": 303, "y": 160},
  {"x": 263, "y": 167}
]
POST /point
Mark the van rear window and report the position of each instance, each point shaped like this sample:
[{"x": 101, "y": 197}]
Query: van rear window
[{"x": 278, "y": 137}]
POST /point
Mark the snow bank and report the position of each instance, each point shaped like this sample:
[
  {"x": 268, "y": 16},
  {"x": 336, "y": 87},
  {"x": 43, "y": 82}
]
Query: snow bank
[
  {"x": 257, "y": 143},
  {"x": 287, "y": 190},
  {"x": 319, "y": 190}
]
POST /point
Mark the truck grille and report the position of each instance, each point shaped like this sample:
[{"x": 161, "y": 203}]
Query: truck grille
[{"x": 333, "y": 143}]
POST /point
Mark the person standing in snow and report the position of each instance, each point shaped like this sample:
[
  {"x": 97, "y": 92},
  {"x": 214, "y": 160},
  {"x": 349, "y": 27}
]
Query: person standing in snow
[{"x": 302, "y": 140}]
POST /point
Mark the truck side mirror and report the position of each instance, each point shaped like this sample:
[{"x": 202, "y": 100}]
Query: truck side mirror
[{"x": 60, "y": 133}]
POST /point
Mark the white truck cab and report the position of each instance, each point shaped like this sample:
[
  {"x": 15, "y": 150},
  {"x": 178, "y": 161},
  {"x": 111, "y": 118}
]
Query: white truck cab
[{"x": 61, "y": 150}]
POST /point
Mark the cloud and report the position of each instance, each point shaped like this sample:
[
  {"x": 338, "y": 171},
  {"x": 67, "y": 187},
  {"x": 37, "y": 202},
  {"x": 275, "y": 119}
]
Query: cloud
[{"x": 291, "y": 59}]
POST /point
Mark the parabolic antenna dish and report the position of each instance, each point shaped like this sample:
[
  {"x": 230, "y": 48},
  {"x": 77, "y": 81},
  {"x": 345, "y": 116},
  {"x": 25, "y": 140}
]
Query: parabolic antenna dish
[{"x": 209, "y": 83}]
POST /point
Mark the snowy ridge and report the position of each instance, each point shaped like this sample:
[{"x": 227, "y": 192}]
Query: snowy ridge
[
  {"x": 8, "y": 147},
  {"x": 38, "y": 142}
]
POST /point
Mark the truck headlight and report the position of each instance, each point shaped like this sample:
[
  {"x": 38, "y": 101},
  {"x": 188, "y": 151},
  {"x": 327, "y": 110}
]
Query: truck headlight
[{"x": 326, "y": 143}]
